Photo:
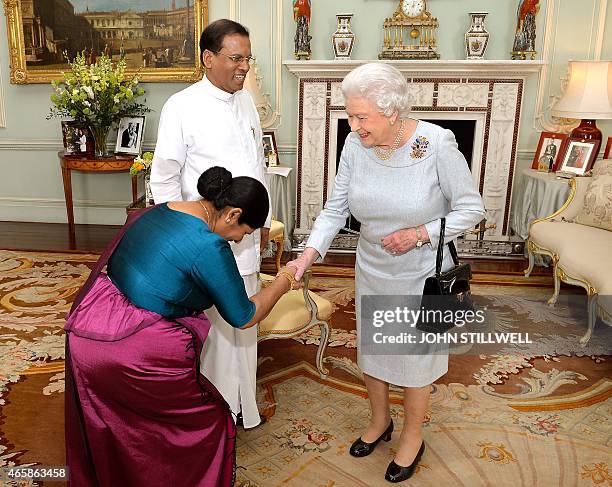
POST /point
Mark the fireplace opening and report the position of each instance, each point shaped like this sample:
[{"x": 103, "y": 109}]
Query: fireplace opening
[{"x": 463, "y": 130}]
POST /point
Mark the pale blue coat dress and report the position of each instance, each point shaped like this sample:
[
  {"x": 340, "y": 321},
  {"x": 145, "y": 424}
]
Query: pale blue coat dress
[{"x": 426, "y": 179}]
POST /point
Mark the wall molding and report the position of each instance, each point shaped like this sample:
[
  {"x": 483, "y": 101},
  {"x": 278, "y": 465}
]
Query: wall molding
[
  {"x": 53, "y": 210},
  {"x": 45, "y": 144},
  {"x": 543, "y": 120},
  {"x": 2, "y": 109},
  {"x": 276, "y": 60},
  {"x": 601, "y": 28},
  {"x": 51, "y": 145},
  {"x": 272, "y": 118},
  {"x": 233, "y": 8},
  {"x": 30, "y": 144}
]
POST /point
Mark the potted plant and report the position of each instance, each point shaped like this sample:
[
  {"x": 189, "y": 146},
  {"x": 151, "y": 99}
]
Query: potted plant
[{"x": 96, "y": 95}]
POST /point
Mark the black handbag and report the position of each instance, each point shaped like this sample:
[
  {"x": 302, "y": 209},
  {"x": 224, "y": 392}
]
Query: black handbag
[{"x": 445, "y": 293}]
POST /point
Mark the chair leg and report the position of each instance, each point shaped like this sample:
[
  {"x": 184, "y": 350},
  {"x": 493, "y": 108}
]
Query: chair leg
[
  {"x": 279, "y": 251},
  {"x": 321, "y": 350},
  {"x": 557, "y": 280},
  {"x": 592, "y": 311},
  {"x": 531, "y": 261}
]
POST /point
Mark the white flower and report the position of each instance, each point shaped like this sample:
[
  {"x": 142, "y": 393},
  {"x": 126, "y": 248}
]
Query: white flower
[
  {"x": 89, "y": 91},
  {"x": 86, "y": 103},
  {"x": 116, "y": 100}
]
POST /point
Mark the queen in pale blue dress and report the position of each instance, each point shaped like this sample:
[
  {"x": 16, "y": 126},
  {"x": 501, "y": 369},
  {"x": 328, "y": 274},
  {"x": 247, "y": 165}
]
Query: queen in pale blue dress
[{"x": 398, "y": 177}]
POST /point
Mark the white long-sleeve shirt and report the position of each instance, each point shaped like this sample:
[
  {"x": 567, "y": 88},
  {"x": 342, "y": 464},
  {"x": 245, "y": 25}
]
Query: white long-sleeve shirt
[{"x": 200, "y": 127}]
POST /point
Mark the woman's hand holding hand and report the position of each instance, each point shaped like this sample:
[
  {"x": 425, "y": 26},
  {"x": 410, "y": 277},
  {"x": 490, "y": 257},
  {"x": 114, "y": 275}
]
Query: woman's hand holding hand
[
  {"x": 404, "y": 240},
  {"x": 303, "y": 262},
  {"x": 288, "y": 273}
]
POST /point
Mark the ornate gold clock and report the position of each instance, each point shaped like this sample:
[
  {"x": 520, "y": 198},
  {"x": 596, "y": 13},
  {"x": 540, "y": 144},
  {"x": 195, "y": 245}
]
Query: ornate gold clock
[{"x": 410, "y": 33}]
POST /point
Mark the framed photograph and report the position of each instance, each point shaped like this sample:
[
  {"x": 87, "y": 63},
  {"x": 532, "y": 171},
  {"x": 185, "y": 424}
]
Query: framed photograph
[
  {"x": 78, "y": 140},
  {"x": 608, "y": 148},
  {"x": 129, "y": 135},
  {"x": 579, "y": 156},
  {"x": 270, "y": 149},
  {"x": 158, "y": 39},
  {"x": 548, "y": 153}
]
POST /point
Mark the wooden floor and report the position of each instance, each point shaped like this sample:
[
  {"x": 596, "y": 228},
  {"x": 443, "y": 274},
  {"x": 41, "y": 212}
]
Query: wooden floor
[
  {"x": 94, "y": 238},
  {"x": 54, "y": 237}
]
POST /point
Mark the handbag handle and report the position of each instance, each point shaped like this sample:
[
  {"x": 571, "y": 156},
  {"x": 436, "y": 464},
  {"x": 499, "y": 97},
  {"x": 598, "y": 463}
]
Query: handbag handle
[{"x": 440, "y": 252}]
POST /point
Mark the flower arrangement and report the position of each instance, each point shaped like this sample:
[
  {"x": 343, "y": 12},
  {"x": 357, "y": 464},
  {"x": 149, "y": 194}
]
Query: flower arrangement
[
  {"x": 96, "y": 95},
  {"x": 142, "y": 164}
]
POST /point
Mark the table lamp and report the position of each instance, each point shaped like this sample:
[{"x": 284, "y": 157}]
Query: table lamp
[{"x": 588, "y": 96}]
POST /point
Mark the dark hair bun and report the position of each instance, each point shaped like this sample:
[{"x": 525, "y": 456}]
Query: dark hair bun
[{"x": 214, "y": 182}]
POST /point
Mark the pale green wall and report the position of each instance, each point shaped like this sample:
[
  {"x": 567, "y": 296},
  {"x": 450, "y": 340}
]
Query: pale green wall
[{"x": 31, "y": 187}]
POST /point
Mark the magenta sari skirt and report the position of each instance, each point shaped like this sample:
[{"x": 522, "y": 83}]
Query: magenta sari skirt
[{"x": 138, "y": 412}]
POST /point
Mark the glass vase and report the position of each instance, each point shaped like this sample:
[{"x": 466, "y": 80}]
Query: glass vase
[{"x": 100, "y": 134}]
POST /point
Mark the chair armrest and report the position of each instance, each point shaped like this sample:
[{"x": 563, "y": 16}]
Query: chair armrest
[
  {"x": 310, "y": 303},
  {"x": 573, "y": 204}
]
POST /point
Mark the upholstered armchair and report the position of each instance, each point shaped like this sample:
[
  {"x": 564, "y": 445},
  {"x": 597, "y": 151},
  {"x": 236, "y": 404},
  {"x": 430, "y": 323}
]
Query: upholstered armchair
[
  {"x": 578, "y": 239},
  {"x": 295, "y": 313},
  {"x": 277, "y": 235}
]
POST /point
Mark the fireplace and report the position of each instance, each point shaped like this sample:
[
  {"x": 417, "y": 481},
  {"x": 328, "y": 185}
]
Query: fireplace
[
  {"x": 464, "y": 131},
  {"x": 480, "y": 101}
]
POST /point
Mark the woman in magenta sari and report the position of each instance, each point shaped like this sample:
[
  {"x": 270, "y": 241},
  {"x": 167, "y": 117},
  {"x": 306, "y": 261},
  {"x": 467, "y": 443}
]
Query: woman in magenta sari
[{"x": 138, "y": 412}]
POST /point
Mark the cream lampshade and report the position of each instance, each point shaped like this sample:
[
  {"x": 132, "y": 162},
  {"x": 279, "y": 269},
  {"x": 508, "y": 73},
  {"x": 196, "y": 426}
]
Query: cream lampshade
[{"x": 588, "y": 96}]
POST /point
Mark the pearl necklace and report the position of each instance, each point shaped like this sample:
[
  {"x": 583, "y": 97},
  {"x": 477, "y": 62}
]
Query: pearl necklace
[
  {"x": 386, "y": 154},
  {"x": 207, "y": 214}
]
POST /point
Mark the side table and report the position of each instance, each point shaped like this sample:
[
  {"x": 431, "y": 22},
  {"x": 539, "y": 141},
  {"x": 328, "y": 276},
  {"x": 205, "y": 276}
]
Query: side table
[
  {"x": 541, "y": 195},
  {"x": 279, "y": 185},
  {"x": 68, "y": 163}
]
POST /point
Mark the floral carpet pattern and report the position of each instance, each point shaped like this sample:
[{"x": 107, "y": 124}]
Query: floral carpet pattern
[{"x": 539, "y": 417}]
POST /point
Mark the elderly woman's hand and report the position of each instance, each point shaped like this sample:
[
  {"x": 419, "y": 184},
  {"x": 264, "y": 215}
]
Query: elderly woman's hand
[
  {"x": 303, "y": 262},
  {"x": 404, "y": 240}
]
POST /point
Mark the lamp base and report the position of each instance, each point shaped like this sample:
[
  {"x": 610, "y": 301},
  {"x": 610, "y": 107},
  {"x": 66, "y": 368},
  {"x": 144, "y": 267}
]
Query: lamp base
[{"x": 587, "y": 130}]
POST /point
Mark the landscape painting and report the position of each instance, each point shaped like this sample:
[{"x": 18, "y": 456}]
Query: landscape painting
[{"x": 157, "y": 38}]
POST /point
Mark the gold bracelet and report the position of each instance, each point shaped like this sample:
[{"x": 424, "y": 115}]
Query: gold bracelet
[{"x": 292, "y": 281}]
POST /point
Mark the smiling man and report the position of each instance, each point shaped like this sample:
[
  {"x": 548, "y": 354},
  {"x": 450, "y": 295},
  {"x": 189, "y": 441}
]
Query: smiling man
[{"x": 214, "y": 122}]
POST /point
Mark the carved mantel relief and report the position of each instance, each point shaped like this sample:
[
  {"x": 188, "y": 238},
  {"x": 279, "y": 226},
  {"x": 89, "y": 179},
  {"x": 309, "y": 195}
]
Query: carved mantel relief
[{"x": 495, "y": 94}]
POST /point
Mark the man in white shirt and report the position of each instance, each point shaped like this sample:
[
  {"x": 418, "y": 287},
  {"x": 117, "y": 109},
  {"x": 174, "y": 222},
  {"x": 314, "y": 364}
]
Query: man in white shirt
[{"x": 214, "y": 122}]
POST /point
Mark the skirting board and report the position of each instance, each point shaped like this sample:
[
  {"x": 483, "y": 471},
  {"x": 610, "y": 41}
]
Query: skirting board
[{"x": 54, "y": 211}]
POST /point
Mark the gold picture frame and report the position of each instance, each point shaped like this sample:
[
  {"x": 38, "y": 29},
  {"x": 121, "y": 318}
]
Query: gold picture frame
[{"x": 147, "y": 36}]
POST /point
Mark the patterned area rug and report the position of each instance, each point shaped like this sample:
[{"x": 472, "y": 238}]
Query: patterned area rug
[{"x": 541, "y": 417}]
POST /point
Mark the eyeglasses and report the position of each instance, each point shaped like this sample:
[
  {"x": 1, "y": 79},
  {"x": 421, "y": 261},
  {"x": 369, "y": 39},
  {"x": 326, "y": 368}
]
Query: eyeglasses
[{"x": 237, "y": 58}]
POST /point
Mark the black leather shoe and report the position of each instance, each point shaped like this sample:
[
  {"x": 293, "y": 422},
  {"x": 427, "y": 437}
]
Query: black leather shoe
[
  {"x": 397, "y": 473},
  {"x": 262, "y": 420},
  {"x": 362, "y": 449}
]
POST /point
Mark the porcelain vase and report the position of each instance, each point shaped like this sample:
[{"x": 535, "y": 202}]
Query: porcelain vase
[
  {"x": 343, "y": 39},
  {"x": 477, "y": 37}
]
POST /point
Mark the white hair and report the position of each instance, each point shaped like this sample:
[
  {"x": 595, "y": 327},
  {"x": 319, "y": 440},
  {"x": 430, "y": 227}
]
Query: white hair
[{"x": 381, "y": 84}]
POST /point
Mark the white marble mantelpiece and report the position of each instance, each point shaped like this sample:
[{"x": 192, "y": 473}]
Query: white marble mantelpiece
[
  {"x": 488, "y": 92},
  {"x": 333, "y": 68}
]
